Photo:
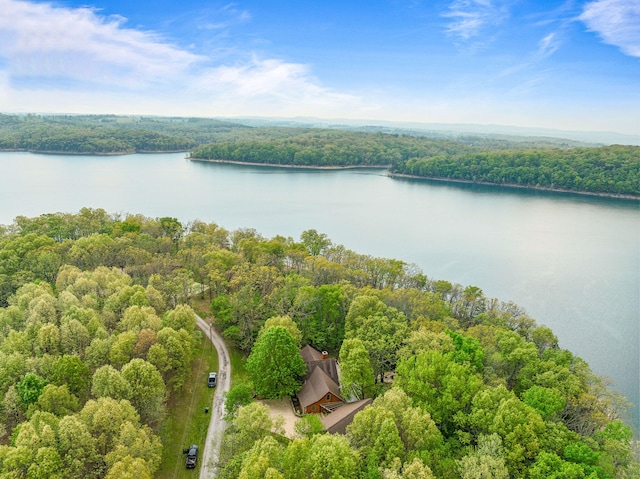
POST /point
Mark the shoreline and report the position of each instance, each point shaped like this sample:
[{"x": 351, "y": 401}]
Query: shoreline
[
  {"x": 89, "y": 153},
  {"x": 280, "y": 165},
  {"x": 429, "y": 178},
  {"x": 512, "y": 185}
]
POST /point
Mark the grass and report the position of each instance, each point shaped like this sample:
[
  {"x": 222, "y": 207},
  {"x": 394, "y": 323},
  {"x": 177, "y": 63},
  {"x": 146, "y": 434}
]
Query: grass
[{"x": 186, "y": 422}]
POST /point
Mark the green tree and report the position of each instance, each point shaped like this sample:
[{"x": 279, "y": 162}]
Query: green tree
[
  {"x": 331, "y": 457},
  {"x": 309, "y": 425},
  {"x": 275, "y": 364},
  {"x": 315, "y": 242},
  {"x": 486, "y": 461},
  {"x": 287, "y": 323},
  {"x": 57, "y": 400},
  {"x": 240, "y": 394},
  {"x": 252, "y": 423},
  {"x": 356, "y": 373},
  {"x": 71, "y": 371},
  {"x": 148, "y": 392},
  {"x": 107, "y": 381},
  {"x": 29, "y": 388}
]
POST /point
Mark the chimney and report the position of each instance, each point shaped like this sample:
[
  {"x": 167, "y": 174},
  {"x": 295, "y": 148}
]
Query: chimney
[{"x": 325, "y": 355}]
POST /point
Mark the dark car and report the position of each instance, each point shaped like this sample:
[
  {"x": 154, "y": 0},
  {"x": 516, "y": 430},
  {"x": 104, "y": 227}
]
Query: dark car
[
  {"x": 192, "y": 456},
  {"x": 212, "y": 380}
]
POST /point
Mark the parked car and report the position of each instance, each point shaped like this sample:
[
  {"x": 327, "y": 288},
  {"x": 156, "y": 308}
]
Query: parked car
[
  {"x": 192, "y": 456},
  {"x": 212, "y": 380}
]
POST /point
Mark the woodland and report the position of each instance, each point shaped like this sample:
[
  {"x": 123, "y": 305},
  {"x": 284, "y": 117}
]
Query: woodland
[{"x": 97, "y": 331}]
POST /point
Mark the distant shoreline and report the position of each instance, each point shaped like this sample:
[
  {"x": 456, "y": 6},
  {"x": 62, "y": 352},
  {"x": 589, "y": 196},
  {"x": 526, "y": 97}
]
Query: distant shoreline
[
  {"x": 281, "y": 165},
  {"x": 415, "y": 177},
  {"x": 513, "y": 185},
  {"x": 89, "y": 153}
]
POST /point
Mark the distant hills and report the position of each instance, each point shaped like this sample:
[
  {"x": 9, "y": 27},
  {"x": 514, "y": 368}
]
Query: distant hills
[{"x": 452, "y": 130}]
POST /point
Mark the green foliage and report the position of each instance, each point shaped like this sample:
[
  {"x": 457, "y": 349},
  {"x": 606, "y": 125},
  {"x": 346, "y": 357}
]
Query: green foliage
[
  {"x": 29, "y": 388},
  {"x": 357, "y": 378},
  {"x": 95, "y": 330},
  {"x": 608, "y": 169},
  {"x": 275, "y": 364},
  {"x": 309, "y": 425},
  {"x": 239, "y": 395}
]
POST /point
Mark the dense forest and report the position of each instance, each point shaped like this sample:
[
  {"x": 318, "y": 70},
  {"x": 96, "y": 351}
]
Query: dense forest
[
  {"x": 608, "y": 169},
  {"x": 107, "y": 134},
  {"x": 111, "y": 134},
  {"x": 96, "y": 330},
  {"x": 315, "y": 147}
]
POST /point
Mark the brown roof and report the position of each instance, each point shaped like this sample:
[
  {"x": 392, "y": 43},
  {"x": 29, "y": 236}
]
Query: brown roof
[
  {"x": 329, "y": 366},
  {"x": 338, "y": 420},
  {"x": 316, "y": 387},
  {"x": 309, "y": 354},
  {"x": 313, "y": 358}
]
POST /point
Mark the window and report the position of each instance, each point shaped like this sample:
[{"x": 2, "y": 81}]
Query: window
[{"x": 328, "y": 397}]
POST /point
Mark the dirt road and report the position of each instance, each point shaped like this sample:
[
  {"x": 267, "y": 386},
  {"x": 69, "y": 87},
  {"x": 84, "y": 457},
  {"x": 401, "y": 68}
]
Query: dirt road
[{"x": 217, "y": 424}]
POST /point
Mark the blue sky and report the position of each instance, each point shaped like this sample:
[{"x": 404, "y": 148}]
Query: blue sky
[{"x": 557, "y": 64}]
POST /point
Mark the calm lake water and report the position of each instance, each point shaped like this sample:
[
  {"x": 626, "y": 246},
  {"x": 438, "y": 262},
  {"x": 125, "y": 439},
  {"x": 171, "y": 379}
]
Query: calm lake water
[{"x": 572, "y": 262}]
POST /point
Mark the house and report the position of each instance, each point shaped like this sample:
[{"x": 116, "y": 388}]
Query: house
[
  {"x": 320, "y": 391},
  {"x": 337, "y": 421}
]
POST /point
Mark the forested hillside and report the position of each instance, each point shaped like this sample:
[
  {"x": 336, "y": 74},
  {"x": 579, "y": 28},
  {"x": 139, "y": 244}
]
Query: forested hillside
[
  {"x": 608, "y": 169},
  {"x": 317, "y": 148},
  {"x": 108, "y": 134},
  {"x": 95, "y": 331}
]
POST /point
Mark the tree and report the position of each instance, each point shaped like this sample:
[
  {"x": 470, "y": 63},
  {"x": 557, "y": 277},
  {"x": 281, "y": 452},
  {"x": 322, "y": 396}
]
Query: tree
[
  {"x": 315, "y": 242},
  {"x": 309, "y": 425},
  {"x": 29, "y": 388},
  {"x": 331, "y": 457},
  {"x": 107, "y": 381},
  {"x": 382, "y": 330},
  {"x": 439, "y": 385},
  {"x": 262, "y": 460},
  {"x": 275, "y": 364},
  {"x": 252, "y": 423},
  {"x": 57, "y": 400},
  {"x": 130, "y": 468},
  {"x": 356, "y": 373},
  {"x": 70, "y": 370},
  {"x": 148, "y": 392},
  {"x": 239, "y": 395},
  {"x": 486, "y": 461},
  {"x": 287, "y": 323},
  {"x": 181, "y": 317}
]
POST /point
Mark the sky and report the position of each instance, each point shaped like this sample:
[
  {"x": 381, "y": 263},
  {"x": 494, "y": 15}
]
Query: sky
[{"x": 571, "y": 65}]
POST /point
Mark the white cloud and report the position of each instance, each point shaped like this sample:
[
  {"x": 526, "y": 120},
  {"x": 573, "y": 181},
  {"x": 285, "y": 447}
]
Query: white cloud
[
  {"x": 548, "y": 45},
  {"x": 77, "y": 60},
  {"x": 617, "y": 22},
  {"x": 469, "y": 17},
  {"x": 43, "y": 41}
]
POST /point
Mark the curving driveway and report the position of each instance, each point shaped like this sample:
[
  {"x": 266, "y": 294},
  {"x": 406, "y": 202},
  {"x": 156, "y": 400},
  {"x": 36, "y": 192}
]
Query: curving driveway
[{"x": 217, "y": 424}]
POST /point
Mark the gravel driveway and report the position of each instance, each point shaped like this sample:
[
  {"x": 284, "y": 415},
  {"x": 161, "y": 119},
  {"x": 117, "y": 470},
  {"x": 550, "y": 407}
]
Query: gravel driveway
[{"x": 217, "y": 425}]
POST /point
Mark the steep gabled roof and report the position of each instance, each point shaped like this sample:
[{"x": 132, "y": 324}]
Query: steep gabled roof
[
  {"x": 313, "y": 358},
  {"x": 338, "y": 420},
  {"x": 316, "y": 387},
  {"x": 309, "y": 354}
]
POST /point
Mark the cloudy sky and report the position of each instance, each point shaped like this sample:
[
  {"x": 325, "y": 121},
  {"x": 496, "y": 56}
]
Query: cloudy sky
[{"x": 536, "y": 63}]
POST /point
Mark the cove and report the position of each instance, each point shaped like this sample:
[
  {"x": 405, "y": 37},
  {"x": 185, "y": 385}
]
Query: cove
[{"x": 572, "y": 262}]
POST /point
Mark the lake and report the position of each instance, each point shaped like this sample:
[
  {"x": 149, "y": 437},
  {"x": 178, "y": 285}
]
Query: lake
[{"x": 572, "y": 262}]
